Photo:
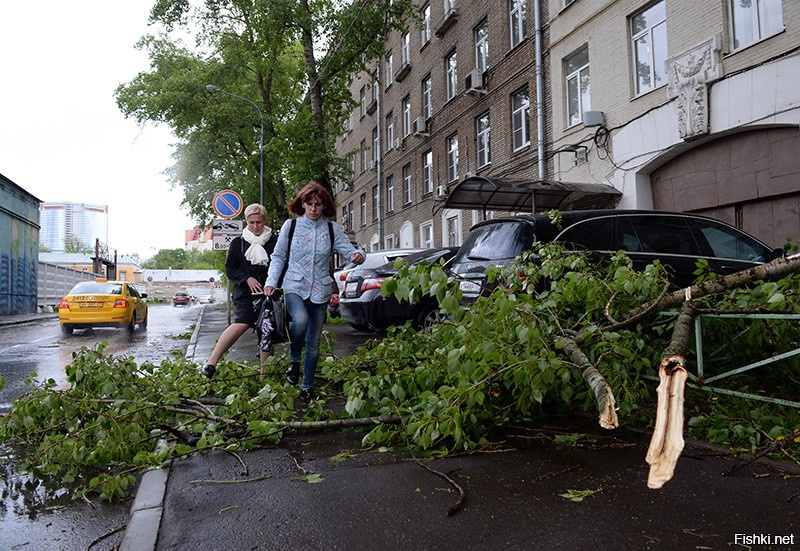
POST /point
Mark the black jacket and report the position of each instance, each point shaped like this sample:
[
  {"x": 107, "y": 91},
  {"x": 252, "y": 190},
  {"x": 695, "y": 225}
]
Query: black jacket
[{"x": 238, "y": 268}]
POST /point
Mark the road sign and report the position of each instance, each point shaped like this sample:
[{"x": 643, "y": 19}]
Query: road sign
[
  {"x": 227, "y": 204},
  {"x": 223, "y": 231}
]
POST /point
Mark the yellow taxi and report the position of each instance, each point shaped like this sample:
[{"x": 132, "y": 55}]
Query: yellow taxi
[{"x": 102, "y": 303}]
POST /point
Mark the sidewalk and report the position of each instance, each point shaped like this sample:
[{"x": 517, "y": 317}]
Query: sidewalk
[{"x": 386, "y": 499}]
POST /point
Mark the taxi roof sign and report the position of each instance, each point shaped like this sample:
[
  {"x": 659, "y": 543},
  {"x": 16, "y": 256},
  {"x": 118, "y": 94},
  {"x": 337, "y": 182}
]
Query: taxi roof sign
[{"x": 227, "y": 204}]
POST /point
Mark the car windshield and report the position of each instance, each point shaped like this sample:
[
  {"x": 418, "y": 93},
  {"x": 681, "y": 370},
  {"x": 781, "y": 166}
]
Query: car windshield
[
  {"x": 498, "y": 241},
  {"x": 95, "y": 288}
]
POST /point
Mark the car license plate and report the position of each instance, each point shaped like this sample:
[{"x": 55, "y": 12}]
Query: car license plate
[
  {"x": 470, "y": 288},
  {"x": 91, "y": 304}
]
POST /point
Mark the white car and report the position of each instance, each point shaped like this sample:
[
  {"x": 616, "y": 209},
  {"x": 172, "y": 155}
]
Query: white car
[{"x": 373, "y": 260}]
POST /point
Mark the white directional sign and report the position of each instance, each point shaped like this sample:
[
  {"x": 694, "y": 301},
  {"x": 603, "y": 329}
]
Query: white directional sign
[{"x": 223, "y": 231}]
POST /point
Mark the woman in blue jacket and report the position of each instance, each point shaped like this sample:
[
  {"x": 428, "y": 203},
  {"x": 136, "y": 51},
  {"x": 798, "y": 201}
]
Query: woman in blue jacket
[{"x": 307, "y": 281}]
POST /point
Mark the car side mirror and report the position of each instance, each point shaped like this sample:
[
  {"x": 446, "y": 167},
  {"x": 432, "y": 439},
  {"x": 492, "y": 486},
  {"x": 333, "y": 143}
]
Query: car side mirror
[
  {"x": 777, "y": 253},
  {"x": 144, "y": 295}
]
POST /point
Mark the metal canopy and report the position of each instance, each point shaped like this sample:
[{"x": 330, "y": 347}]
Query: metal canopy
[{"x": 479, "y": 192}]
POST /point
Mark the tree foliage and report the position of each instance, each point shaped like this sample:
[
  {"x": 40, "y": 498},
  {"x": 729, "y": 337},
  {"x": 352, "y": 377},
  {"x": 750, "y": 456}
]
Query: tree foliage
[
  {"x": 498, "y": 361},
  {"x": 263, "y": 51},
  {"x": 181, "y": 259}
]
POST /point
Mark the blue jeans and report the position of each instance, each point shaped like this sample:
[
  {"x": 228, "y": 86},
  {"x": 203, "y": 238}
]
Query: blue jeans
[{"x": 305, "y": 330}]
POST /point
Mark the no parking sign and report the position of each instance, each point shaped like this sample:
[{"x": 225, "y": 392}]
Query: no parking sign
[{"x": 227, "y": 204}]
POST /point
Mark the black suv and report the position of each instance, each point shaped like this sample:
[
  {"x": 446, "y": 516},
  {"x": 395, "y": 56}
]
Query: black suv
[{"x": 676, "y": 239}]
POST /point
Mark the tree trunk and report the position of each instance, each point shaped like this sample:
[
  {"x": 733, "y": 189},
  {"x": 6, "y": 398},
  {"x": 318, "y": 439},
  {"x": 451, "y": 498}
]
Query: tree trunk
[
  {"x": 666, "y": 443},
  {"x": 602, "y": 391}
]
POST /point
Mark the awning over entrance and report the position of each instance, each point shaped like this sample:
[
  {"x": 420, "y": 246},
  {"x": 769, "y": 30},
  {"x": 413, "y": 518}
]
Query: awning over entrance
[{"x": 478, "y": 192}]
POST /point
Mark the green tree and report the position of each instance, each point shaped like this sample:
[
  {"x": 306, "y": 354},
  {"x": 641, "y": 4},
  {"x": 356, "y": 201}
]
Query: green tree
[
  {"x": 73, "y": 244},
  {"x": 263, "y": 50}
]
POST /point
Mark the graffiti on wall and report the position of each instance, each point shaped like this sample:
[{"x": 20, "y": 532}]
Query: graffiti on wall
[{"x": 18, "y": 263}]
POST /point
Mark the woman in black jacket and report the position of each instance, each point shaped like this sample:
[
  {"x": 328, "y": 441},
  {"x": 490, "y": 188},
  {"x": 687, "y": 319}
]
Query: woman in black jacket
[{"x": 246, "y": 266}]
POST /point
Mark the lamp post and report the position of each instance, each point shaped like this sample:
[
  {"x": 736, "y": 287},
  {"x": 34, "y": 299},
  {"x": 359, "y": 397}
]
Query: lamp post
[{"x": 217, "y": 90}]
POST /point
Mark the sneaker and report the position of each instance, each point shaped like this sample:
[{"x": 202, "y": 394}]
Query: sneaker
[
  {"x": 209, "y": 370},
  {"x": 293, "y": 373},
  {"x": 307, "y": 394}
]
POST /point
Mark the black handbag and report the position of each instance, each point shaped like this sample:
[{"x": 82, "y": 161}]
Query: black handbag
[{"x": 272, "y": 323}]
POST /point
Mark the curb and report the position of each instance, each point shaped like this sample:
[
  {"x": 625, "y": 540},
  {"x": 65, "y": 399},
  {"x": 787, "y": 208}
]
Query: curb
[{"x": 141, "y": 534}]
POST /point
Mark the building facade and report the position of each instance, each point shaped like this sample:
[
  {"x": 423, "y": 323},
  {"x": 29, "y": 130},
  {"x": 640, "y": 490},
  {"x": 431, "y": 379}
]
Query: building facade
[
  {"x": 677, "y": 104},
  {"x": 61, "y": 220}
]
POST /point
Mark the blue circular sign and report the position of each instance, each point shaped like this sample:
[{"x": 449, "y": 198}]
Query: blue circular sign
[{"x": 227, "y": 204}]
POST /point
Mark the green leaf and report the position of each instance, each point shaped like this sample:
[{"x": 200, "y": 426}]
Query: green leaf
[
  {"x": 312, "y": 478},
  {"x": 579, "y": 495}
]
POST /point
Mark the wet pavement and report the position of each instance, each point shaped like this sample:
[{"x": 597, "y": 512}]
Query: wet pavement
[{"x": 323, "y": 491}]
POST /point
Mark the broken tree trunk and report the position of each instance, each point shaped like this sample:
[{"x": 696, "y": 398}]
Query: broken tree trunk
[
  {"x": 602, "y": 391},
  {"x": 666, "y": 444}
]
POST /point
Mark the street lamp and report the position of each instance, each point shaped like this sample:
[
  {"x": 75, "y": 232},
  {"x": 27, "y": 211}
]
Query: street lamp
[{"x": 217, "y": 90}]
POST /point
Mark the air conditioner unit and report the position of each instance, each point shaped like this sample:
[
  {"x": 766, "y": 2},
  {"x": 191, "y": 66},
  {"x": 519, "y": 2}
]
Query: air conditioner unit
[
  {"x": 469, "y": 174},
  {"x": 473, "y": 83},
  {"x": 371, "y": 165},
  {"x": 441, "y": 191},
  {"x": 397, "y": 144},
  {"x": 419, "y": 127}
]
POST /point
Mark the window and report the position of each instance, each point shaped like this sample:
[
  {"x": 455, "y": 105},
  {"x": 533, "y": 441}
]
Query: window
[
  {"x": 449, "y": 5},
  {"x": 482, "y": 133},
  {"x": 363, "y": 209},
  {"x": 481, "y": 215},
  {"x": 516, "y": 15},
  {"x": 389, "y": 193},
  {"x": 753, "y": 20},
  {"x": 406, "y": 116},
  {"x": 452, "y": 158},
  {"x": 389, "y": 69},
  {"x": 407, "y": 184},
  {"x": 520, "y": 115},
  {"x": 405, "y": 49},
  {"x": 577, "y": 69},
  {"x": 451, "y": 75},
  {"x": 390, "y": 242},
  {"x": 426, "y": 234},
  {"x": 482, "y": 46},
  {"x": 427, "y": 172},
  {"x": 425, "y": 33},
  {"x": 375, "y": 202},
  {"x": 362, "y": 97},
  {"x": 363, "y": 155},
  {"x": 649, "y": 43},
  {"x": 453, "y": 231},
  {"x": 352, "y": 163},
  {"x": 375, "y": 144},
  {"x": 427, "y": 110},
  {"x": 389, "y": 131}
]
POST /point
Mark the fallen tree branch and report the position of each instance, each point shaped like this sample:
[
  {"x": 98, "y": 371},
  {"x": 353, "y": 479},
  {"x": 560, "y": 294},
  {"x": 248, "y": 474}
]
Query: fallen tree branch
[
  {"x": 342, "y": 423},
  {"x": 461, "y": 494},
  {"x": 776, "y": 445},
  {"x": 607, "y": 414},
  {"x": 667, "y": 442}
]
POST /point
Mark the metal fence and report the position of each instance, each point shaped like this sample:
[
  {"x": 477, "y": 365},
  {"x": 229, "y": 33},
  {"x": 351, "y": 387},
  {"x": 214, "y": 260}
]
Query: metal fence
[{"x": 53, "y": 282}]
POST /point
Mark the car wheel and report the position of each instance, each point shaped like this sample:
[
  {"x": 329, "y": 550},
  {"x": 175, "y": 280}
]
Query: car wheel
[
  {"x": 132, "y": 325},
  {"x": 143, "y": 323},
  {"x": 66, "y": 329},
  {"x": 429, "y": 316}
]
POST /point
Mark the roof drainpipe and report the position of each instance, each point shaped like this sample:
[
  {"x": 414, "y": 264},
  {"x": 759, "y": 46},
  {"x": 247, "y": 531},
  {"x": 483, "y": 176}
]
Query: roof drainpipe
[
  {"x": 379, "y": 156},
  {"x": 539, "y": 88}
]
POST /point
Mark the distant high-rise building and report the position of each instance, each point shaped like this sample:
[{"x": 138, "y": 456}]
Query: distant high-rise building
[{"x": 61, "y": 220}]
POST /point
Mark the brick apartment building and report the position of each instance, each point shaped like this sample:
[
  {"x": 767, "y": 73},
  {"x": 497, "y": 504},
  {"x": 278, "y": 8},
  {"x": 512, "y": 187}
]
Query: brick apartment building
[{"x": 693, "y": 106}]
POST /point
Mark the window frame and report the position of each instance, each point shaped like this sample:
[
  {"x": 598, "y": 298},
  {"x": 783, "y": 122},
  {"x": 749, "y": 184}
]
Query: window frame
[
  {"x": 427, "y": 97},
  {"x": 523, "y": 113},
  {"x": 578, "y": 74},
  {"x": 452, "y": 158},
  {"x": 406, "y": 105},
  {"x": 426, "y": 235},
  {"x": 390, "y": 130},
  {"x": 481, "y": 45},
  {"x": 653, "y": 34},
  {"x": 451, "y": 75},
  {"x": 483, "y": 151},
  {"x": 363, "y": 211},
  {"x": 390, "y": 193},
  {"x": 517, "y": 22},
  {"x": 427, "y": 172},
  {"x": 389, "y": 69},
  {"x": 407, "y": 185},
  {"x": 758, "y": 34},
  {"x": 425, "y": 32}
]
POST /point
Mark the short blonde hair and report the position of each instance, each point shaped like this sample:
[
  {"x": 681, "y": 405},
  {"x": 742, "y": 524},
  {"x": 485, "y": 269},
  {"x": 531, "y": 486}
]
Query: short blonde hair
[{"x": 255, "y": 208}]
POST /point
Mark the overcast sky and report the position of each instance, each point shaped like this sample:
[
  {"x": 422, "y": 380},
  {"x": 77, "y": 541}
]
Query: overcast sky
[{"x": 62, "y": 137}]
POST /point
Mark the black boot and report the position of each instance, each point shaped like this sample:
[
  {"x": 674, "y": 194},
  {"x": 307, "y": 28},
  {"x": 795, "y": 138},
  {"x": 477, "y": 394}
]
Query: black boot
[{"x": 293, "y": 373}]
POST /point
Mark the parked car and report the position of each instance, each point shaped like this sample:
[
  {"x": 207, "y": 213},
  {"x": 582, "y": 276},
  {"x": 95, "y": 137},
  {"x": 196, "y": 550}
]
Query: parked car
[
  {"x": 182, "y": 298},
  {"x": 102, "y": 303},
  {"x": 678, "y": 240},
  {"x": 363, "y": 306},
  {"x": 371, "y": 260}
]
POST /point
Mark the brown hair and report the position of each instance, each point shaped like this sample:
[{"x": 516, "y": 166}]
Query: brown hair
[{"x": 313, "y": 190}]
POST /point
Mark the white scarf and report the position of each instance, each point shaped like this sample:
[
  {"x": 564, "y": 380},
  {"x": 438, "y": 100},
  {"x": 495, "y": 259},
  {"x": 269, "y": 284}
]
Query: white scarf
[{"x": 256, "y": 254}]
